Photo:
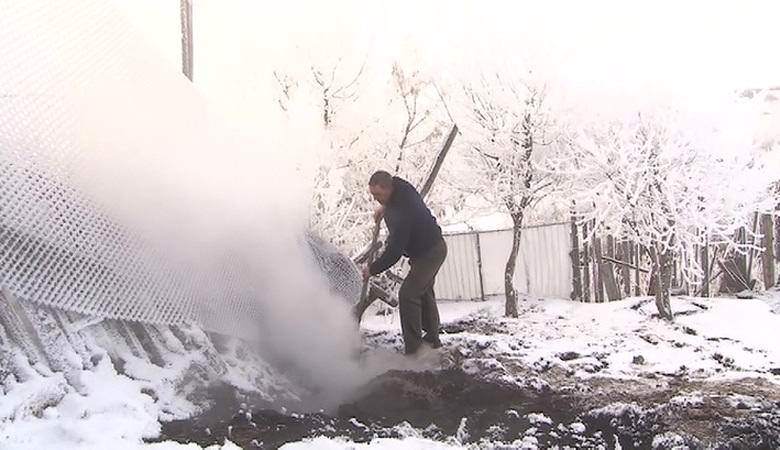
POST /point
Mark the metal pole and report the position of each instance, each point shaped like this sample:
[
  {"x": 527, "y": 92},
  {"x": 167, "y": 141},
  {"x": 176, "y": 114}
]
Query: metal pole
[
  {"x": 186, "y": 37},
  {"x": 479, "y": 268}
]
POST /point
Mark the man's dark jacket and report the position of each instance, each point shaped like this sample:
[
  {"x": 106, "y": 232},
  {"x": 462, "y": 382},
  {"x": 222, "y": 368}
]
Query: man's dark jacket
[{"x": 413, "y": 229}]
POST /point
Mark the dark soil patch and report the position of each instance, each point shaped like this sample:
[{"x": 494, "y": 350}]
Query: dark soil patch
[
  {"x": 454, "y": 403},
  {"x": 568, "y": 356},
  {"x": 760, "y": 430},
  {"x": 478, "y": 325},
  {"x": 446, "y": 403}
]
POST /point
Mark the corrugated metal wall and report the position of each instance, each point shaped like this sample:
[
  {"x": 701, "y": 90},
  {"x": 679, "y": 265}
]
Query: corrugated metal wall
[{"x": 543, "y": 263}]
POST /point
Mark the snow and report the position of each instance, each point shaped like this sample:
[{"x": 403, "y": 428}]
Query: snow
[
  {"x": 97, "y": 407},
  {"x": 687, "y": 399},
  {"x": 577, "y": 427},
  {"x": 537, "y": 418},
  {"x": 617, "y": 409},
  {"x": 743, "y": 401},
  {"x": 609, "y": 336},
  {"x": 112, "y": 414},
  {"x": 669, "y": 441},
  {"x": 748, "y": 321},
  {"x": 713, "y": 338}
]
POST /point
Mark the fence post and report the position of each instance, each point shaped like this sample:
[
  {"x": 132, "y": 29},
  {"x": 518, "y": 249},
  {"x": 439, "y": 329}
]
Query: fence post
[
  {"x": 776, "y": 234},
  {"x": 768, "y": 256},
  {"x": 638, "y": 252},
  {"x": 607, "y": 272},
  {"x": 705, "y": 263},
  {"x": 628, "y": 254},
  {"x": 585, "y": 264},
  {"x": 479, "y": 268},
  {"x": 576, "y": 278},
  {"x": 598, "y": 279}
]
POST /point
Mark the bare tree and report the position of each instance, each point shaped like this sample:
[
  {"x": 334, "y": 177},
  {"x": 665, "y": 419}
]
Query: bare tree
[
  {"x": 286, "y": 85},
  {"x": 510, "y": 128},
  {"x": 399, "y": 132},
  {"x": 656, "y": 179},
  {"x": 336, "y": 89},
  {"x": 410, "y": 87}
]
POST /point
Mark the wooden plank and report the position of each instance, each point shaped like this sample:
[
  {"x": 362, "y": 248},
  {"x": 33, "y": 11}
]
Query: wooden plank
[
  {"x": 607, "y": 272},
  {"x": 776, "y": 221},
  {"x": 627, "y": 270},
  {"x": 426, "y": 188},
  {"x": 364, "y": 255},
  {"x": 768, "y": 255},
  {"x": 607, "y": 275},
  {"x": 364, "y": 301},
  {"x": 598, "y": 280},
  {"x": 624, "y": 264},
  {"x": 740, "y": 259},
  {"x": 733, "y": 281},
  {"x": 620, "y": 271},
  {"x": 585, "y": 264},
  {"x": 576, "y": 279},
  {"x": 636, "y": 250},
  {"x": 749, "y": 271},
  {"x": 706, "y": 266}
]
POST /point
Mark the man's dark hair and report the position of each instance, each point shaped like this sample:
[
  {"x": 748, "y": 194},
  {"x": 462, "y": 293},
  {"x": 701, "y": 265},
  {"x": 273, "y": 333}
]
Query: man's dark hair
[{"x": 381, "y": 178}]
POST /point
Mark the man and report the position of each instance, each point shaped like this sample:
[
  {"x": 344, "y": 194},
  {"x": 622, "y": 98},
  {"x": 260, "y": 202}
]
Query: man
[{"x": 413, "y": 233}]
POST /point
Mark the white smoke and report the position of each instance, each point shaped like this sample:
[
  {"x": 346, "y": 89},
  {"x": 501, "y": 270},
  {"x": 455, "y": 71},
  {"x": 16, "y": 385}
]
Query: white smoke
[{"x": 141, "y": 142}]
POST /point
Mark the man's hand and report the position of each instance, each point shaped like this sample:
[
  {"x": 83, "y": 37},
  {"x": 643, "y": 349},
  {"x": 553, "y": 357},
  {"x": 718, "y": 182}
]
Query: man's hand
[
  {"x": 379, "y": 213},
  {"x": 366, "y": 273}
]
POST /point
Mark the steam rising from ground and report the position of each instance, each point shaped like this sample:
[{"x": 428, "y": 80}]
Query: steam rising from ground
[{"x": 164, "y": 164}]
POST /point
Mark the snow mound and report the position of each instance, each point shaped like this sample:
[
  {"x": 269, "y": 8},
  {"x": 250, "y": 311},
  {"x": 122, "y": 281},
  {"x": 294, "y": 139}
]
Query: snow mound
[{"x": 538, "y": 418}]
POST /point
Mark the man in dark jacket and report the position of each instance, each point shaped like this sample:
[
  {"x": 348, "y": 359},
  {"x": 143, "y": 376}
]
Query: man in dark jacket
[{"x": 413, "y": 233}]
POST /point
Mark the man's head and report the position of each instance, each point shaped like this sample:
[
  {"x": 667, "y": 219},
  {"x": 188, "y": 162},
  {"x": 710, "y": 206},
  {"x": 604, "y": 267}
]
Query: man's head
[{"x": 381, "y": 186}]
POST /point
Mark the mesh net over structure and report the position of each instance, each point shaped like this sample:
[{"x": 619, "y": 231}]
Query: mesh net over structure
[{"x": 61, "y": 247}]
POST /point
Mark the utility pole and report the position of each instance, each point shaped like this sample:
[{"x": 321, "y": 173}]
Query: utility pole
[{"x": 185, "y": 10}]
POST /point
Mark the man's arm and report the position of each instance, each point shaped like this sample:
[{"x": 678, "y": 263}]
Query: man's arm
[{"x": 395, "y": 248}]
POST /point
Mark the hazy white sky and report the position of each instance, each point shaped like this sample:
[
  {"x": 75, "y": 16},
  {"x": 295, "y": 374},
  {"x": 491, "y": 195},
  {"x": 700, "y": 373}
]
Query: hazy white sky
[{"x": 734, "y": 43}]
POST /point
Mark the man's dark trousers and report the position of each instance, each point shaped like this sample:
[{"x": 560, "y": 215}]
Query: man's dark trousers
[{"x": 417, "y": 300}]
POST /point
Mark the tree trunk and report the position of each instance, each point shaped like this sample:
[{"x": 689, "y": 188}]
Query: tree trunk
[
  {"x": 662, "y": 266},
  {"x": 509, "y": 272}
]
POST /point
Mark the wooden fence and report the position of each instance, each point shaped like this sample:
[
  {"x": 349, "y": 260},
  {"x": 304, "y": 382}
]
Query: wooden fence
[{"x": 605, "y": 268}]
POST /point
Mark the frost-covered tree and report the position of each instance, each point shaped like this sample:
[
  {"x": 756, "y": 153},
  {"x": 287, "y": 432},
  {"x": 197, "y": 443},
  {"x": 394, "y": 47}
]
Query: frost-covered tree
[
  {"x": 669, "y": 179},
  {"x": 509, "y": 127},
  {"x": 389, "y": 122}
]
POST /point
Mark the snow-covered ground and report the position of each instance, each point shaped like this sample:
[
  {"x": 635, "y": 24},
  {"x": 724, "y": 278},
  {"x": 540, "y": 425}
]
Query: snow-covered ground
[
  {"x": 625, "y": 337},
  {"x": 554, "y": 345},
  {"x": 103, "y": 406}
]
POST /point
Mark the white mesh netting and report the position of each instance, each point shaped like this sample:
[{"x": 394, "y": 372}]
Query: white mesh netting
[{"x": 57, "y": 246}]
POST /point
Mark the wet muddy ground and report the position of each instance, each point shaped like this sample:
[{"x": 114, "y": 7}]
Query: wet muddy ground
[
  {"x": 488, "y": 399},
  {"x": 452, "y": 404}
]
